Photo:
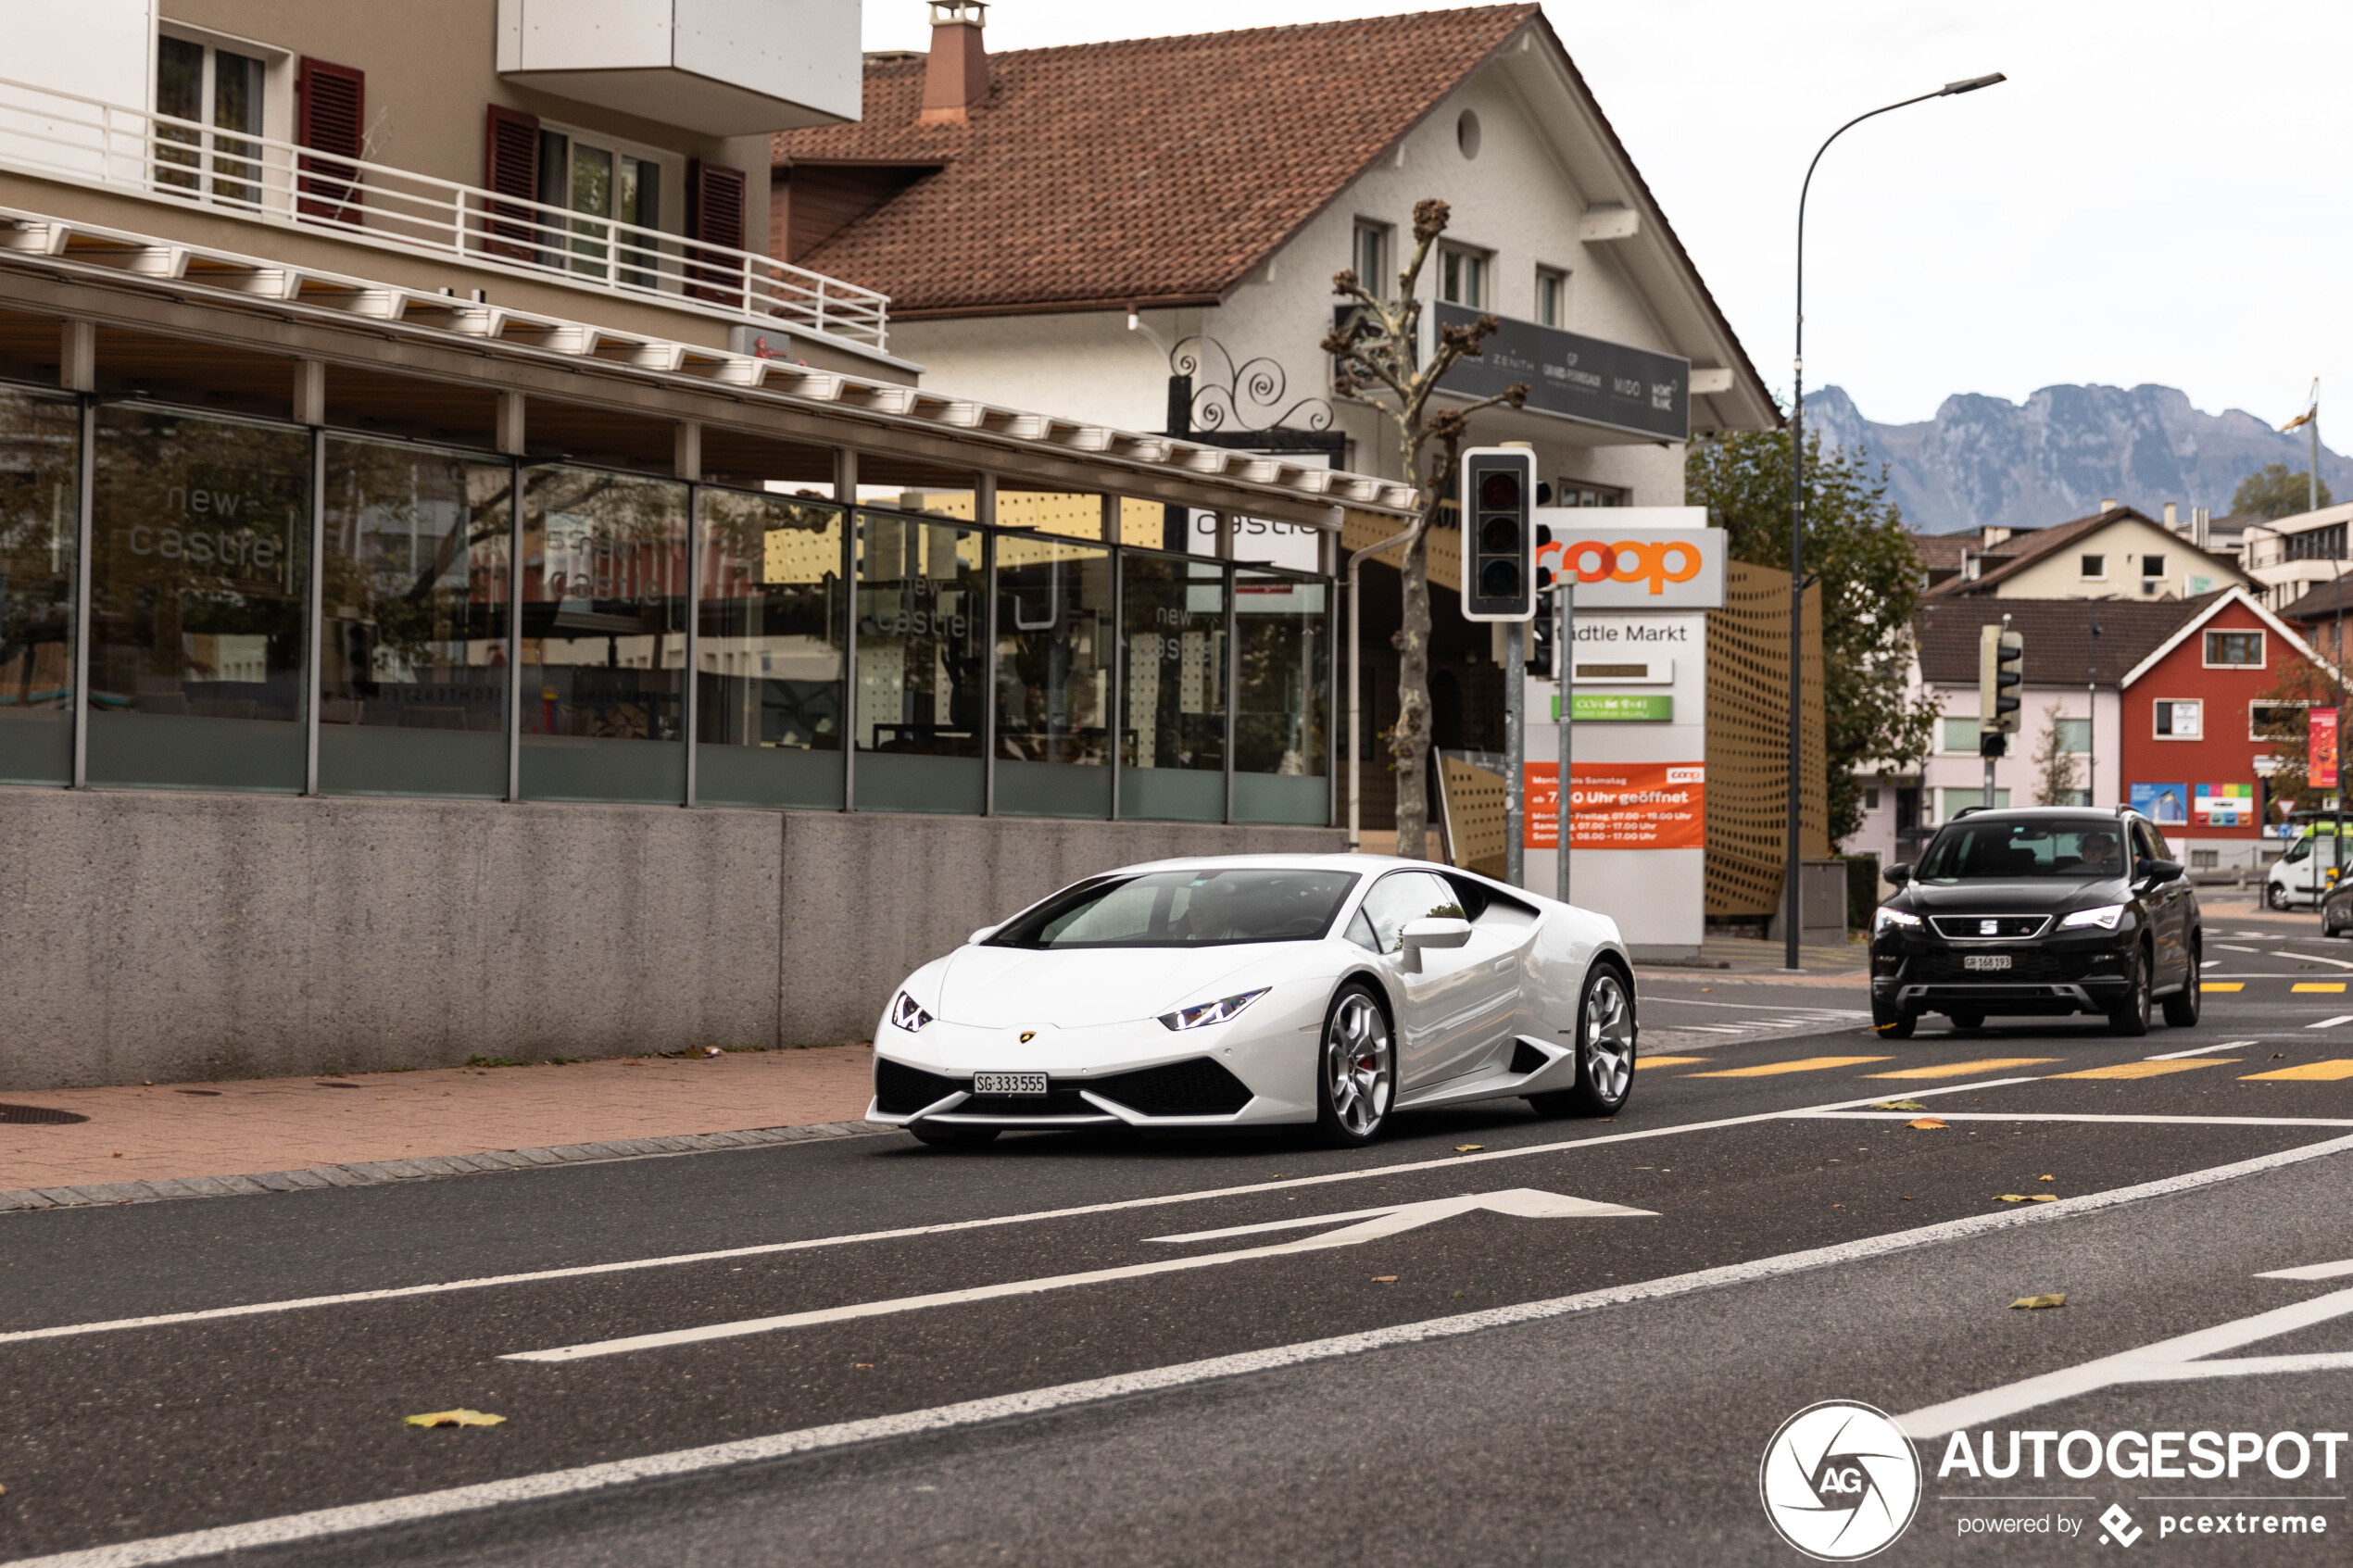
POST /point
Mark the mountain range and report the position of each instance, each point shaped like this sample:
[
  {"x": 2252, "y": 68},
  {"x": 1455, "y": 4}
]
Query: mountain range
[{"x": 2062, "y": 451}]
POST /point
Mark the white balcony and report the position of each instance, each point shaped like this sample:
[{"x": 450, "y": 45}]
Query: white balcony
[
  {"x": 726, "y": 68},
  {"x": 86, "y": 142}
]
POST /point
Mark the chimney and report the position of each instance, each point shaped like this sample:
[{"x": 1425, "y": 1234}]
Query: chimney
[
  {"x": 2200, "y": 535},
  {"x": 2108, "y": 503},
  {"x": 2172, "y": 524},
  {"x": 956, "y": 75}
]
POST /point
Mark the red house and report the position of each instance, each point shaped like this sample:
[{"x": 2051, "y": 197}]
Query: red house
[{"x": 2191, "y": 712}]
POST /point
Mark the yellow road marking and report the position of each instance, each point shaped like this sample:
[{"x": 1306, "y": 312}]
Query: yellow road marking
[
  {"x": 1963, "y": 1069},
  {"x": 1806, "y": 1064},
  {"x": 2221, "y": 985},
  {"x": 1641, "y": 1062},
  {"x": 2320, "y": 1072},
  {"x": 2149, "y": 1069},
  {"x": 2318, "y": 985}
]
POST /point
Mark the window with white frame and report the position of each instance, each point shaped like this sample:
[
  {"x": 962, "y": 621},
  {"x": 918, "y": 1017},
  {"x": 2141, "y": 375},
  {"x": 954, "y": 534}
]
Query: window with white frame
[
  {"x": 1955, "y": 801},
  {"x": 1551, "y": 296},
  {"x": 2094, "y": 569},
  {"x": 1960, "y": 735},
  {"x": 1369, "y": 256},
  {"x": 600, "y": 177},
  {"x": 2274, "y": 720},
  {"x": 2074, "y": 735},
  {"x": 1462, "y": 276},
  {"x": 2180, "y": 719},
  {"x": 222, "y": 86},
  {"x": 2234, "y": 650}
]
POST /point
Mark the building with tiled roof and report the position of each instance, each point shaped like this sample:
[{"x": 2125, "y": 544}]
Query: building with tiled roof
[{"x": 2117, "y": 553}]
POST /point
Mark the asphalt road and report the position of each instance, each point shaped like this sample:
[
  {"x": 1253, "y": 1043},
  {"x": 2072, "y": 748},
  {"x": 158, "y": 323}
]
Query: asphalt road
[{"x": 1577, "y": 1350}]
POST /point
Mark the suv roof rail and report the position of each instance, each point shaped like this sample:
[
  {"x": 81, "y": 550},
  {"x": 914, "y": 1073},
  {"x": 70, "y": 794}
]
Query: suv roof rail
[{"x": 1964, "y": 812}]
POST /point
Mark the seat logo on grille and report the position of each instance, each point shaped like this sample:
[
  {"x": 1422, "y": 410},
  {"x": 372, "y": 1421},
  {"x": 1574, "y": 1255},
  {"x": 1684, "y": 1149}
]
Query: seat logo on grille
[{"x": 1988, "y": 927}]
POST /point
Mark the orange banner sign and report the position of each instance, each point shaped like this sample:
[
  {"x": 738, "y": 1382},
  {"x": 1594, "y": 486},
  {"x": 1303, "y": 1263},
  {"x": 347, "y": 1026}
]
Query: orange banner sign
[{"x": 1620, "y": 806}]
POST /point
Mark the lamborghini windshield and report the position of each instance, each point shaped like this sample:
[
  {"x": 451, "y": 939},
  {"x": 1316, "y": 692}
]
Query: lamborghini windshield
[
  {"x": 1196, "y": 909},
  {"x": 2009, "y": 850}
]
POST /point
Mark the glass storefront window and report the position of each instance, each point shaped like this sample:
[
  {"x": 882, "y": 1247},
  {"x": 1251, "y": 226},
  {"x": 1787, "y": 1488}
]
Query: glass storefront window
[
  {"x": 1281, "y": 663},
  {"x": 1172, "y": 750},
  {"x": 1054, "y": 646},
  {"x": 197, "y": 634},
  {"x": 1073, "y": 514},
  {"x": 770, "y": 611},
  {"x": 923, "y": 661},
  {"x": 604, "y": 636},
  {"x": 40, "y": 515},
  {"x": 413, "y": 659}
]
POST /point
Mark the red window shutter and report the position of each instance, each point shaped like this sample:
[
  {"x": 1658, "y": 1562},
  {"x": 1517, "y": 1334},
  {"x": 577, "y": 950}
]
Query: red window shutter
[
  {"x": 510, "y": 168},
  {"x": 715, "y": 216},
  {"x": 330, "y": 104}
]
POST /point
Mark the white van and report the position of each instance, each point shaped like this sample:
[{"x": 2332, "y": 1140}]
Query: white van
[{"x": 2298, "y": 878}]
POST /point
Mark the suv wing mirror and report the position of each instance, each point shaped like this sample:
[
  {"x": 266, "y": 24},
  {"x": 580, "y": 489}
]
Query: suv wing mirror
[{"x": 1899, "y": 873}]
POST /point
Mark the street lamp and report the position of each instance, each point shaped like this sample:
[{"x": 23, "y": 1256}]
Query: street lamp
[{"x": 1797, "y": 495}]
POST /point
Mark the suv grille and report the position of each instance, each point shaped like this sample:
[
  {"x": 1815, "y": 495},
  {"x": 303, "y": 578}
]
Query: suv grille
[{"x": 1965, "y": 927}]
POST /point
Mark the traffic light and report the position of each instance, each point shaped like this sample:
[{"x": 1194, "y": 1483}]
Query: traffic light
[
  {"x": 1499, "y": 536},
  {"x": 2001, "y": 660}
]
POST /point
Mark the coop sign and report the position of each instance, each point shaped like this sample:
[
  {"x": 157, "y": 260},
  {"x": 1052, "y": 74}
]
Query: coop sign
[{"x": 1615, "y": 567}]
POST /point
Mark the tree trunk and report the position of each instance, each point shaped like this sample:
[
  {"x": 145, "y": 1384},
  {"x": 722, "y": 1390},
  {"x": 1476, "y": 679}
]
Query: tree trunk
[{"x": 1409, "y": 743}]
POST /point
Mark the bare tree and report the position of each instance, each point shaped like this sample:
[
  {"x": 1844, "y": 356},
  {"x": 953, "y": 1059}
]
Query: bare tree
[
  {"x": 2054, "y": 763},
  {"x": 1380, "y": 367}
]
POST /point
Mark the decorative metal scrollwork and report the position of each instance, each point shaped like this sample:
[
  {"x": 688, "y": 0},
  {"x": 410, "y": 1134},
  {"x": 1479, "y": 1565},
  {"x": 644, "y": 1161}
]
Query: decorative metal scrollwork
[{"x": 1250, "y": 398}]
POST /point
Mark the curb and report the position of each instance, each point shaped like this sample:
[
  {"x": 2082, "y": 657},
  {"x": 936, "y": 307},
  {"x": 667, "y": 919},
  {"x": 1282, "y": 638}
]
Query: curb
[{"x": 380, "y": 1173}]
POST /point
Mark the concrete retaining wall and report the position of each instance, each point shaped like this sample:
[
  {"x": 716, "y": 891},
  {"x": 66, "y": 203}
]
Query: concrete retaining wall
[{"x": 167, "y": 937}]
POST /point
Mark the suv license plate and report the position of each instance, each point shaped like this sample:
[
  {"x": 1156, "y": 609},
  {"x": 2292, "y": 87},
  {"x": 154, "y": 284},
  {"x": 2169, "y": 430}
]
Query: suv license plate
[
  {"x": 1024, "y": 1083},
  {"x": 1986, "y": 960}
]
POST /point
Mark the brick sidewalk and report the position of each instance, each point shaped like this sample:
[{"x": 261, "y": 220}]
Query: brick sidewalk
[{"x": 153, "y": 1132}]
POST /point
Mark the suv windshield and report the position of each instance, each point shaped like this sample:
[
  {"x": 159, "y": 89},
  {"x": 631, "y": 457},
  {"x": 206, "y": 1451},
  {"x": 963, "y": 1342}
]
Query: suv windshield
[
  {"x": 1184, "y": 910},
  {"x": 2004, "y": 850}
]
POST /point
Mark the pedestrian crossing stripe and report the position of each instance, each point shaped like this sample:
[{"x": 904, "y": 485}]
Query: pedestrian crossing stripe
[
  {"x": 1641, "y": 1063},
  {"x": 2311, "y": 1072},
  {"x": 1804, "y": 1064},
  {"x": 2318, "y": 985},
  {"x": 2147, "y": 1068},
  {"x": 2221, "y": 985},
  {"x": 1963, "y": 1069}
]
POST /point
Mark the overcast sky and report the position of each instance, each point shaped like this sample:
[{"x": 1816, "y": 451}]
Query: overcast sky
[{"x": 2145, "y": 199}]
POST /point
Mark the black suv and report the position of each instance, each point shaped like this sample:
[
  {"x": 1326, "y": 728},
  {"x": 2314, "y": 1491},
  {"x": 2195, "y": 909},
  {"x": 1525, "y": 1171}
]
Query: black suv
[{"x": 2049, "y": 910}]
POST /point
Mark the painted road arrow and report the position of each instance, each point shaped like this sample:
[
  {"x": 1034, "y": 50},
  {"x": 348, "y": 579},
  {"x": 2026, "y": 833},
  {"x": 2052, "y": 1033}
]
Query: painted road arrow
[{"x": 1370, "y": 1225}]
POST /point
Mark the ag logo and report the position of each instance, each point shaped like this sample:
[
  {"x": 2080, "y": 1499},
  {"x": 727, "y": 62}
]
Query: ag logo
[
  {"x": 1840, "y": 1481},
  {"x": 1027, "y": 1035}
]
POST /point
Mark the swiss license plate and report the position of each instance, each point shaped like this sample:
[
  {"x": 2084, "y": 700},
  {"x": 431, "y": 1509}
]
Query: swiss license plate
[
  {"x": 1986, "y": 960},
  {"x": 1020, "y": 1083}
]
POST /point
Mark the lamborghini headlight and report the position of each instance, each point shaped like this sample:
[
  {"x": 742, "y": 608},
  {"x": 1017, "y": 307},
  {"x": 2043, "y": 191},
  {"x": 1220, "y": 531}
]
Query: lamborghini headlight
[
  {"x": 905, "y": 1014},
  {"x": 1211, "y": 1012}
]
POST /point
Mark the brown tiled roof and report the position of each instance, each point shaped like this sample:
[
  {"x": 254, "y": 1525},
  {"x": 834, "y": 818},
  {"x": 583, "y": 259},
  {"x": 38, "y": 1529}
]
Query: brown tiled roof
[
  {"x": 2021, "y": 550},
  {"x": 2057, "y": 634},
  {"x": 2320, "y": 603},
  {"x": 1156, "y": 172},
  {"x": 1941, "y": 552}
]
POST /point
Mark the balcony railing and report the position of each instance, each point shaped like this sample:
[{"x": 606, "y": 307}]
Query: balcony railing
[{"x": 64, "y": 136}]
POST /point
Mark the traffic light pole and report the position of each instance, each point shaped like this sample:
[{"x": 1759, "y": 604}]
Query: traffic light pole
[
  {"x": 1515, "y": 751},
  {"x": 1564, "y": 671}
]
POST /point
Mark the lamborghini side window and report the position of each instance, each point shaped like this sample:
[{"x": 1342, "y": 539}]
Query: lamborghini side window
[
  {"x": 1360, "y": 931},
  {"x": 1404, "y": 896}
]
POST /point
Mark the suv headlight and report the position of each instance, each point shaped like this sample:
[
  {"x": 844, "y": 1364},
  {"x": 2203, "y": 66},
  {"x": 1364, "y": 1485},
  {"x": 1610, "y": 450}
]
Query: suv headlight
[
  {"x": 1211, "y": 1012},
  {"x": 2106, "y": 917},
  {"x": 1887, "y": 917},
  {"x": 906, "y": 1014}
]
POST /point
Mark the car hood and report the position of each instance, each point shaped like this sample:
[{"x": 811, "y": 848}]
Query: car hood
[
  {"x": 2049, "y": 893},
  {"x": 1006, "y": 987}
]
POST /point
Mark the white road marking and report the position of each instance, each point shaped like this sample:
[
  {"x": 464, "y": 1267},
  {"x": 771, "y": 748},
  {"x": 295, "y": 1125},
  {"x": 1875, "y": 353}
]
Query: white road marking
[
  {"x": 1783, "y": 1008},
  {"x": 1374, "y": 1224},
  {"x": 2178, "y": 1360},
  {"x": 1713, "y": 1028},
  {"x": 2312, "y": 1270},
  {"x": 585, "y": 1271},
  {"x": 2085, "y": 1116},
  {"x": 330, "y": 1523},
  {"x": 2332, "y": 1022},
  {"x": 2228, "y": 948},
  {"x": 2196, "y": 1051},
  {"x": 2315, "y": 958}
]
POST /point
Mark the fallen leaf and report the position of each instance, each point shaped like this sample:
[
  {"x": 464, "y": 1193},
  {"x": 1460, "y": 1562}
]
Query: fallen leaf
[
  {"x": 1384, "y": 1279},
  {"x": 1925, "y": 1124},
  {"x": 456, "y": 1418},
  {"x": 1838, "y": 1205},
  {"x": 1907, "y": 1197},
  {"x": 1467, "y": 1147},
  {"x": 2057, "y": 1298},
  {"x": 862, "y": 1366},
  {"x": 2043, "y": 1197},
  {"x": 2046, "y": 1178},
  {"x": 1898, "y": 1105},
  {"x": 2009, "y": 1198}
]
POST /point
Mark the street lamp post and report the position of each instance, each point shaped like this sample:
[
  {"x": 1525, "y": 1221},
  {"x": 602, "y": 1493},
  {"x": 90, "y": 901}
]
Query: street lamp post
[{"x": 1797, "y": 498}]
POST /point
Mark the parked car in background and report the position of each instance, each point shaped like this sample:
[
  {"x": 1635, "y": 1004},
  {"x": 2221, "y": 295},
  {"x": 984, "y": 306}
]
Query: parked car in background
[{"x": 2302, "y": 877}]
